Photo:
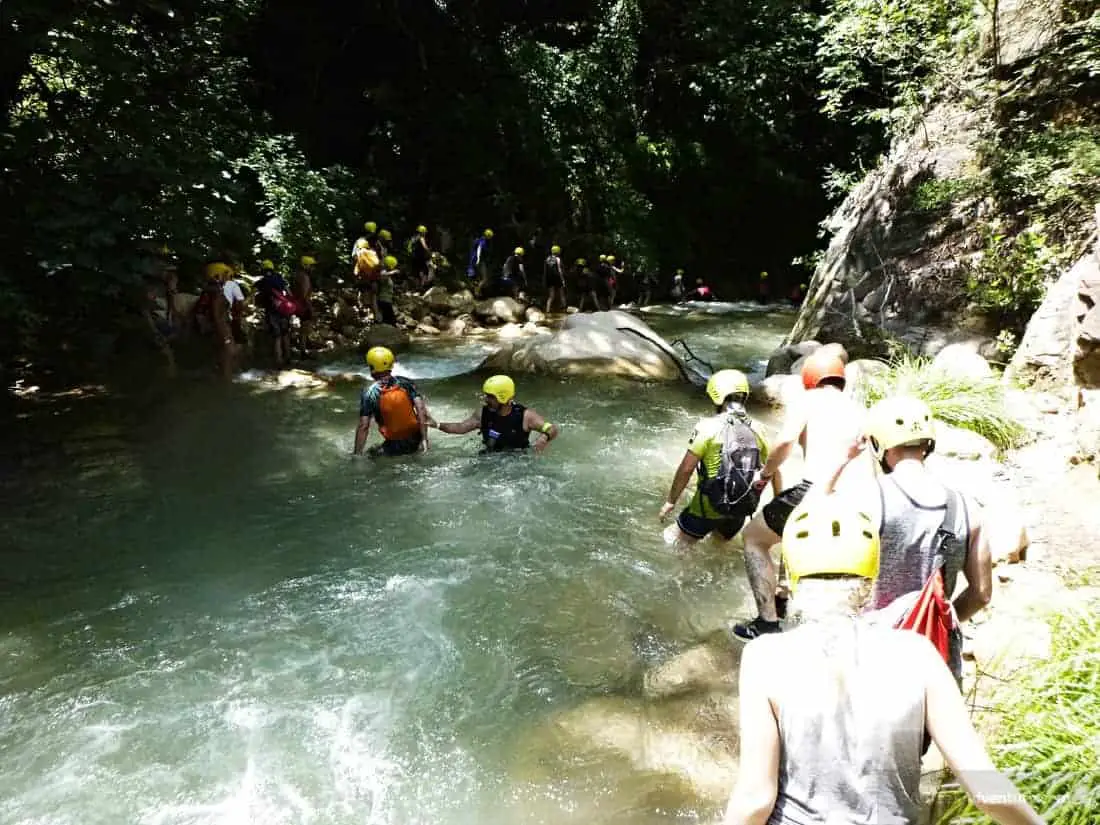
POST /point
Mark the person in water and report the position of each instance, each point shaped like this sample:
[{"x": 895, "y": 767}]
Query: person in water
[
  {"x": 833, "y": 713},
  {"x": 921, "y": 521},
  {"x": 504, "y": 423},
  {"x": 396, "y": 405},
  {"x": 702, "y": 292},
  {"x": 726, "y": 451},
  {"x": 824, "y": 421}
]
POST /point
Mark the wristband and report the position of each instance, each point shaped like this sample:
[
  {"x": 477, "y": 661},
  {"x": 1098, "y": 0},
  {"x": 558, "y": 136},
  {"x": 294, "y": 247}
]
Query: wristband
[{"x": 546, "y": 428}]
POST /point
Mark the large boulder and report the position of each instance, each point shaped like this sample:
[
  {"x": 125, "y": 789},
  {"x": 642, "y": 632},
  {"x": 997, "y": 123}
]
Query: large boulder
[
  {"x": 438, "y": 299},
  {"x": 501, "y": 311},
  {"x": 599, "y": 343},
  {"x": 383, "y": 335},
  {"x": 1086, "y": 353},
  {"x": 962, "y": 361},
  {"x": 462, "y": 302},
  {"x": 781, "y": 359}
]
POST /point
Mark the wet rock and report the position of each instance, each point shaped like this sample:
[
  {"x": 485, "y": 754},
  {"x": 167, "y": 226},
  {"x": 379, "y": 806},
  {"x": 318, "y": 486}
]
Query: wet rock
[
  {"x": 962, "y": 361},
  {"x": 437, "y": 299},
  {"x": 571, "y": 310},
  {"x": 510, "y": 331},
  {"x": 710, "y": 666},
  {"x": 777, "y": 390},
  {"x": 458, "y": 327},
  {"x": 782, "y": 359},
  {"x": 501, "y": 311},
  {"x": 954, "y": 442},
  {"x": 531, "y": 328},
  {"x": 603, "y": 343},
  {"x": 427, "y": 329},
  {"x": 299, "y": 379},
  {"x": 535, "y": 315},
  {"x": 1086, "y": 351},
  {"x": 462, "y": 302},
  {"x": 857, "y": 373},
  {"x": 383, "y": 335}
]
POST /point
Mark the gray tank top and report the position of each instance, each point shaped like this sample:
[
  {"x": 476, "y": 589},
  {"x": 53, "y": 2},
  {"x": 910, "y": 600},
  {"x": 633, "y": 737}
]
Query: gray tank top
[
  {"x": 852, "y": 730},
  {"x": 913, "y": 511}
]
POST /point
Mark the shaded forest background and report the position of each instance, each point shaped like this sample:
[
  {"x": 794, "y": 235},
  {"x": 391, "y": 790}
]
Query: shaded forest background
[{"x": 710, "y": 135}]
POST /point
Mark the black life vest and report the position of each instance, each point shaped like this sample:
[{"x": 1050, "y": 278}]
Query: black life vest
[{"x": 504, "y": 432}]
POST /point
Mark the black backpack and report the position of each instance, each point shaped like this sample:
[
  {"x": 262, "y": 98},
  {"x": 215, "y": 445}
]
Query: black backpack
[{"x": 730, "y": 492}]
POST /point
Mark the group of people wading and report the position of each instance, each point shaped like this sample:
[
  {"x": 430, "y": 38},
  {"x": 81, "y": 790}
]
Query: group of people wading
[{"x": 838, "y": 706}]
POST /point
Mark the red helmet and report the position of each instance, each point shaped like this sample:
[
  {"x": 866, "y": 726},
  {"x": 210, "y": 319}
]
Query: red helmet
[{"x": 820, "y": 366}]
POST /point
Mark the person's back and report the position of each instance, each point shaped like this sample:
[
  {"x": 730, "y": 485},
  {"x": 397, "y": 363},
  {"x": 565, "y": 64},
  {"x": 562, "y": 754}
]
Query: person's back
[
  {"x": 914, "y": 508},
  {"x": 833, "y": 420},
  {"x": 849, "y": 700}
]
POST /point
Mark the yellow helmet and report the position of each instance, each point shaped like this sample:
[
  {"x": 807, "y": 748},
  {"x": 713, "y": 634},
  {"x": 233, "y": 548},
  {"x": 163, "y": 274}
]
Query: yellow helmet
[
  {"x": 581, "y": 262},
  {"x": 827, "y": 535},
  {"x": 421, "y": 230},
  {"x": 555, "y": 250},
  {"x": 267, "y": 264},
  {"x": 501, "y": 387},
  {"x": 379, "y": 359},
  {"x": 308, "y": 260},
  {"x": 488, "y": 233},
  {"x": 385, "y": 235},
  {"x": 519, "y": 251},
  {"x": 725, "y": 383},
  {"x": 763, "y": 276},
  {"x": 371, "y": 227},
  {"x": 390, "y": 262},
  {"x": 603, "y": 258},
  {"x": 219, "y": 271},
  {"x": 899, "y": 421},
  {"x": 679, "y": 272},
  {"x": 611, "y": 259}
]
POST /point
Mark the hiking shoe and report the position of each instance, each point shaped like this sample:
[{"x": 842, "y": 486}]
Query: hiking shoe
[{"x": 754, "y": 629}]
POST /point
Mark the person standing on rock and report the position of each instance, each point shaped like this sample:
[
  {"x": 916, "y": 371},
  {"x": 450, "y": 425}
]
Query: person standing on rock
[
  {"x": 553, "y": 276},
  {"x": 727, "y": 451},
  {"x": 513, "y": 276},
  {"x": 824, "y": 421},
  {"x": 833, "y": 713},
  {"x": 504, "y": 423},
  {"x": 421, "y": 259},
  {"x": 677, "y": 291},
  {"x": 927, "y": 528},
  {"x": 397, "y": 407},
  {"x": 479, "y": 263},
  {"x": 386, "y": 283},
  {"x": 614, "y": 273},
  {"x": 586, "y": 285},
  {"x": 301, "y": 286}
]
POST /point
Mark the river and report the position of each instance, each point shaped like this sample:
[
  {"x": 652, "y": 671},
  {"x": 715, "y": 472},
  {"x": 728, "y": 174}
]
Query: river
[{"x": 212, "y": 615}]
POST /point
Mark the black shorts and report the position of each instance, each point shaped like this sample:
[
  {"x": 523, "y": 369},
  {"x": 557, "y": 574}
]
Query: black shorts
[
  {"x": 278, "y": 325},
  {"x": 404, "y": 446},
  {"x": 779, "y": 509}
]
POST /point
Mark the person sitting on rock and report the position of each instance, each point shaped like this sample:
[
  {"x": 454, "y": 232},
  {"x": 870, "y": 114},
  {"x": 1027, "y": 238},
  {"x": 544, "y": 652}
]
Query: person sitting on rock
[
  {"x": 396, "y": 405},
  {"x": 927, "y": 528},
  {"x": 833, "y": 713},
  {"x": 504, "y": 423},
  {"x": 553, "y": 276},
  {"x": 824, "y": 421},
  {"x": 386, "y": 282},
  {"x": 727, "y": 452},
  {"x": 513, "y": 277}
]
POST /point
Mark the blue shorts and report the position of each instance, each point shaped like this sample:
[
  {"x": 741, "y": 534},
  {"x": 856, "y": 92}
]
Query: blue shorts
[{"x": 692, "y": 521}]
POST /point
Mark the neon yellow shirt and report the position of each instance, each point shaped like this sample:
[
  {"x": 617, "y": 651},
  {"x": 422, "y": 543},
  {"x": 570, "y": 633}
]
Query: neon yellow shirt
[{"x": 706, "y": 444}]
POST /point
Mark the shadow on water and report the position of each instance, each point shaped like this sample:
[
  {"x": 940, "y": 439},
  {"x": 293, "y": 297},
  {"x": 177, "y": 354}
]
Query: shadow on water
[{"x": 213, "y": 614}]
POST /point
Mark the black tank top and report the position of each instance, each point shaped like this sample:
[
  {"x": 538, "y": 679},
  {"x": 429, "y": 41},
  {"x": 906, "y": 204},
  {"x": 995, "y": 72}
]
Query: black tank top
[{"x": 504, "y": 432}]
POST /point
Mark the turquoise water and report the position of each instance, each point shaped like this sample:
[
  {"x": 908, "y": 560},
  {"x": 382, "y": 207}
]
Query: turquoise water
[{"x": 213, "y": 614}]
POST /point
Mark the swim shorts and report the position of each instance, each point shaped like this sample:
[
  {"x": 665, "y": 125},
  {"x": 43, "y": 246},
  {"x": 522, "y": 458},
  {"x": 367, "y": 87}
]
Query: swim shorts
[{"x": 779, "y": 509}]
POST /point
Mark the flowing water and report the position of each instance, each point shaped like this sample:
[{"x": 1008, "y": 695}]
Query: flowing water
[{"x": 212, "y": 614}]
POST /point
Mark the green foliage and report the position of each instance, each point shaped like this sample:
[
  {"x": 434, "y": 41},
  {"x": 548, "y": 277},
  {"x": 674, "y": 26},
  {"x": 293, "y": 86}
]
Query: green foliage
[
  {"x": 975, "y": 405},
  {"x": 1046, "y": 733},
  {"x": 310, "y": 210},
  {"x": 940, "y": 194},
  {"x": 1010, "y": 278},
  {"x": 881, "y": 61}
]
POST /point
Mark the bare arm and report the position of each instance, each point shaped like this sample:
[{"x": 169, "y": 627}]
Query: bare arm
[
  {"x": 361, "y": 433},
  {"x": 962, "y": 747},
  {"x": 754, "y": 795},
  {"x": 545, "y": 431},
  {"x": 683, "y": 475},
  {"x": 424, "y": 417},
  {"x": 461, "y": 427},
  {"x": 978, "y": 568}
]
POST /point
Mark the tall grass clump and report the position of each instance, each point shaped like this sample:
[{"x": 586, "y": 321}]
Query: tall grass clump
[
  {"x": 970, "y": 404},
  {"x": 1047, "y": 730}
]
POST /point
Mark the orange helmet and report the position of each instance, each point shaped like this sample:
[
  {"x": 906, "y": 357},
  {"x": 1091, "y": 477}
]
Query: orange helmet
[{"x": 820, "y": 366}]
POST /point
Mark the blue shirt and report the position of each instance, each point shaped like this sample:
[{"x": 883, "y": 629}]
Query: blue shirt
[{"x": 368, "y": 399}]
